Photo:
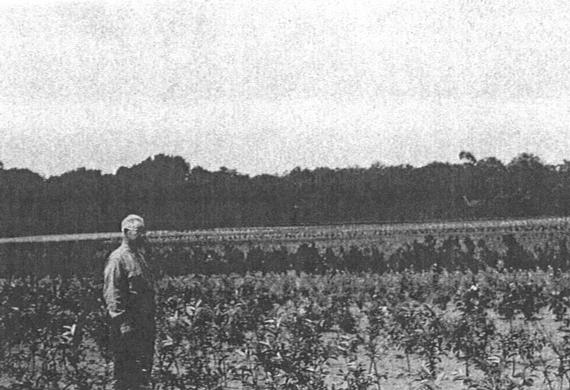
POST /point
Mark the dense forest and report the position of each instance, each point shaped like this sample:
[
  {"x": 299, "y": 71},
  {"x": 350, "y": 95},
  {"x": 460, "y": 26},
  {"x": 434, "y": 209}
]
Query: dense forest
[{"x": 173, "y": 195}]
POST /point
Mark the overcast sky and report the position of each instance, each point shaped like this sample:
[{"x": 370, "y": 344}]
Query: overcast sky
[{"x": 265, "y": 86}]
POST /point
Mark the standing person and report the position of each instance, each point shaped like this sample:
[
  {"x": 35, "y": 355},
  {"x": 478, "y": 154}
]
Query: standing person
[{"x": 129, "y": 295}]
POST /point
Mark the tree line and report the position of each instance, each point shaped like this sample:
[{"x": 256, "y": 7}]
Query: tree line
[{"x": 171, "y": 194}]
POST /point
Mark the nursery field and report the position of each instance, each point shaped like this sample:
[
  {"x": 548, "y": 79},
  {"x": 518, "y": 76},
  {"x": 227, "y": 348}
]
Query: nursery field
[
  {"x": 480, "y": 307},
  {"x": 447, "y": 330}
]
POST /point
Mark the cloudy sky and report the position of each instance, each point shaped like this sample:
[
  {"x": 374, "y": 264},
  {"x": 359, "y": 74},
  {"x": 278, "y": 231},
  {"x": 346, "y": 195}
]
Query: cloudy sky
[{"x": 264, "y": 86}]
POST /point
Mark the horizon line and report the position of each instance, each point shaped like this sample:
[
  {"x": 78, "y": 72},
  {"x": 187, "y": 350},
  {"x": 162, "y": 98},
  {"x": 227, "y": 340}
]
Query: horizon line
[{"x": 114, "y": 171}]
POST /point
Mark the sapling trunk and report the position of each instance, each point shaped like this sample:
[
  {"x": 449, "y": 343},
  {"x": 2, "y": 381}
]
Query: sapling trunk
[
  {"x": 514, "y": 364},
  {"x": 377, "y": 376},
  {"x": 546, "y": 374}
]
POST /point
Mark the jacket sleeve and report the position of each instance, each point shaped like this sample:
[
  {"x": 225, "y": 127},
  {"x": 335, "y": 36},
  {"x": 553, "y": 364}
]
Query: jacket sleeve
[{"x": 115, "y": 291}]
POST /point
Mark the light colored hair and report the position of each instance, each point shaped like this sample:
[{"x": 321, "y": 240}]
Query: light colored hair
[{"x": 132, "y": 221}]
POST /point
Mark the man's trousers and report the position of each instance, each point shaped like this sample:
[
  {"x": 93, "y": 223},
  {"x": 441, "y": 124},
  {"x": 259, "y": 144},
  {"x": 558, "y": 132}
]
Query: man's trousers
[{"x": 133, "y": 357}]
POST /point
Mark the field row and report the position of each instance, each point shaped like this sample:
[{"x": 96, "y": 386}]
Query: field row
[
  {"x": 87, "y": 258},
  {"x": 329, "y": 232}
]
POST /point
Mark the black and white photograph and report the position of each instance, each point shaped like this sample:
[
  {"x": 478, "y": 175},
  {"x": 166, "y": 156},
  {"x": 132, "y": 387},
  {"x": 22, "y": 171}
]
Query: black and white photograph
[{"x": 284, "y": 195}]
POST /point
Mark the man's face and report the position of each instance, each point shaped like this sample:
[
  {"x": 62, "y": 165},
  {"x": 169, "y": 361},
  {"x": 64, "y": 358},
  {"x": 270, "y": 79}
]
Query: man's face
[{"x": 136, "y": 236}]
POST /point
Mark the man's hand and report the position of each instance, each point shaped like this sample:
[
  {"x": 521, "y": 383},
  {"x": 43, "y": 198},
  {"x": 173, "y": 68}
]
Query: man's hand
[{"x": 126, "y": 329}]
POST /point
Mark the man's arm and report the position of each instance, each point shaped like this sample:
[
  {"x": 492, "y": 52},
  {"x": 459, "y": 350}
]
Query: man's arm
[{"x": 115, "y": 293}]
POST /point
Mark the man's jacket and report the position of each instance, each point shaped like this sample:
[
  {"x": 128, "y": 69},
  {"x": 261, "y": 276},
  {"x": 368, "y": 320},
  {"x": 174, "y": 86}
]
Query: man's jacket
[{"x": 129, "y": 289}]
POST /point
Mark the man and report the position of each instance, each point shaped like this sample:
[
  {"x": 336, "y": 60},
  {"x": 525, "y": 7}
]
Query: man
[{"x": 129, "y": 295}]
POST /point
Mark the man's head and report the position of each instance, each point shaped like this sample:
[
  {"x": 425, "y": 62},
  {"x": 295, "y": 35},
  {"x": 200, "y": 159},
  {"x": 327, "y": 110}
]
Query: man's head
[{"x": 134, "y": 231}]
